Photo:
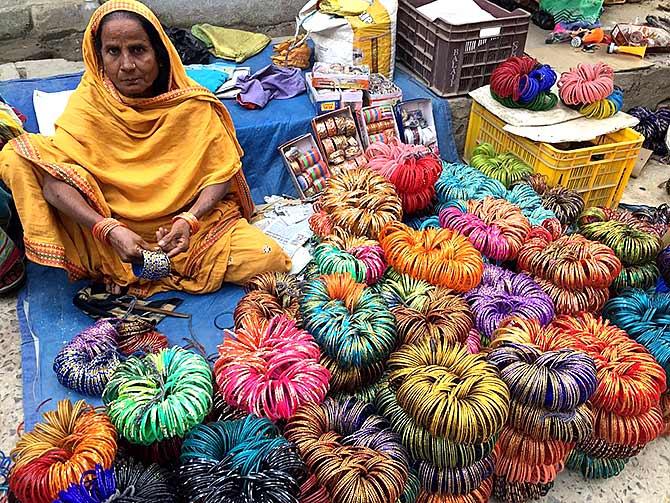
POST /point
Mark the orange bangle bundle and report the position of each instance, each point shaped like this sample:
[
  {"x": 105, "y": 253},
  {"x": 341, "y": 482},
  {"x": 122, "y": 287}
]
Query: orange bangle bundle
[
  {"x": 71, "y": 441},
  {"x": 269, "y": 294},
  {"x": 442, "y": 257},
  {"x": 190, "y": 219},
  {"x": 361, "y": 201},
  {"x": 480, "y": 495},
  {"x": 104, "y": 227}
]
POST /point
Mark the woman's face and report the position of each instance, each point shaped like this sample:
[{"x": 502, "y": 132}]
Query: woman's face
[{"x": 128, "y": 57}]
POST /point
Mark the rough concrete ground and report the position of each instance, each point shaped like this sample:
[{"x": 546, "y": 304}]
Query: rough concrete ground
[{"x": 646, "y": 479}]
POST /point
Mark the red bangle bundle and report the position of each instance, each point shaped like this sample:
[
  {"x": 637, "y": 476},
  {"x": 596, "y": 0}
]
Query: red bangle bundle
[
  {"x": 439, "y": 256},
  {"x": 104, "y": 227},
  {"x": 190, "y": 219}
]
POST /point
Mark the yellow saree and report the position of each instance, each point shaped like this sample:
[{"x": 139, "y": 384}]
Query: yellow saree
[{"x": 141, "y": 161}]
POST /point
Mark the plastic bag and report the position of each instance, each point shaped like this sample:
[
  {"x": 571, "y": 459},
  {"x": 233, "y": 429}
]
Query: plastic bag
[
  {"x": 568, "y": 11},
  {"x": 191, "y": 50}
]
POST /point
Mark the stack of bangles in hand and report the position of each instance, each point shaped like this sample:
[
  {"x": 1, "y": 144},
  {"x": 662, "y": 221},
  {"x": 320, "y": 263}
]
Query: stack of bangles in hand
[
  {"x": 361, "y": 202},
  {"x": 522, "y": 82},
  {"x": 353, "y": 327},
  {"x": 495, "y": 227},
  {"x": 548, "y": 414},
  {"x": 449, "y": 429},
  {"x": 270, "y": 369},
  {"x": 171, "y": 392},
  {"x": 71, "y": 441},
  {"x": 575, "y": 272},
  {"x": 190, "y": 219},
  {"x": 104, "y": 228},
  {"x": 503, "y": 294},
  {"x": 245, "y": 460},
  {"x": 352, "y": 452},
  {"x": 441, "y": 257},
  {"x": 269, "y": 294},
  {"x": 590, "y": 90},
  {"x": 362, "y": 258},
  {"x": 507, "y": 168},
  {"x": 412, "y": 169},
  {"x": 626, "y": 402}
]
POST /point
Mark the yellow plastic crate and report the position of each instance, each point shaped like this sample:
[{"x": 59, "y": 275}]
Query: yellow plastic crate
[{"x": 600, "y": 173}]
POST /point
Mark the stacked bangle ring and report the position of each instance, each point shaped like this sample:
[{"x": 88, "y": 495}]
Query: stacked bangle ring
[{"x": 155, "y": 266}]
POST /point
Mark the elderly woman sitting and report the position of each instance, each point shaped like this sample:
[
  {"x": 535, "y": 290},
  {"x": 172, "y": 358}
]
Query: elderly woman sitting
[{"x": 142, "y": 158}]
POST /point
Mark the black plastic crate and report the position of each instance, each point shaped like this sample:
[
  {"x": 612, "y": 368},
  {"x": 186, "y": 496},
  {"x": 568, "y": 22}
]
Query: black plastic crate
[{"x": 455, "y": 59}]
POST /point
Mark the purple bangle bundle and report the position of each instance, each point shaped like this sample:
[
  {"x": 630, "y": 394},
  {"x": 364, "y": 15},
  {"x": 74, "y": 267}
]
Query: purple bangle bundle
[{"x": 503, "y": 294}]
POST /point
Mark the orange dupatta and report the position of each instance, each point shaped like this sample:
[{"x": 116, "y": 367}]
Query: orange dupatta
[{"x": 139, "y": 160}]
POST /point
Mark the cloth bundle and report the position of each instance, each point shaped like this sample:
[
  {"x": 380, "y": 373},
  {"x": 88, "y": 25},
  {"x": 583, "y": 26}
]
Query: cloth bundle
[
  {"x": 637, "y": 249},
  {"x": 495, "y": 227},
  {"x": 575, "y": 272},
  {"x": 359, "y": 202},
  {"x": 271, "y": 82},
  {"x": 227, "y": 43},
  {"x": 503, "y": 294},
  {"x": 310, "y": 170},
  {"x": 449, "y": 430},
  {"x": 654, "y": 127},
  {"x": 412, "y": 169},
  {"x": 626, "y": 402},
  {"x": 548, "y": 415},
  {"x": 353, "y": 327}
]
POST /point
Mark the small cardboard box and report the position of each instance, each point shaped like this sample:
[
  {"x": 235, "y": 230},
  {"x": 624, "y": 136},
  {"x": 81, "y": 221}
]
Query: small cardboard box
[
  {"x": 303, "y": 144},
  {"x": 337, "y": 76},
  {"x": 377, "y": 99},
  {"x": 364, "y": 126},
  {"x": 324, "y": 100},
  {"x": 425, "y": 105}
]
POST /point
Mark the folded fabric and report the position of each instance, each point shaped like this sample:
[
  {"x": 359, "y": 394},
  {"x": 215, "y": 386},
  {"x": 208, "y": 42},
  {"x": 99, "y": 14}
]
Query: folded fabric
[
  {"x": 269, "y": 83},
  {"x": 344, "y": 7},
  {"x": 227, "y": 43},
  {"x": 209, "y": 76}
]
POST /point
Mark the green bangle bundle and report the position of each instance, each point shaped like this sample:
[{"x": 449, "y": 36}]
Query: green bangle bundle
[
  {"x": 506, "y": 168},
  {"x": 642, "y": 276},
  {"x": 159, "y": 396},
  {"x": 632, "y": 246},
  {"x": 595, "y": 468}
]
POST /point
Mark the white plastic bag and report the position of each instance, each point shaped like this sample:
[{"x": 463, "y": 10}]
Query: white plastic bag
[{"x": 368, "y": 39}]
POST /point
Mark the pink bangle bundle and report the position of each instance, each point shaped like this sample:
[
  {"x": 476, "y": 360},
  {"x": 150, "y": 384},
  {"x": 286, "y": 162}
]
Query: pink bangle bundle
[
  {"x": 362, "y": 258},
  {"x": 495, "y": 227},
  {"x": 413, "y": 169},
  {"x": 270, "y": 370}
]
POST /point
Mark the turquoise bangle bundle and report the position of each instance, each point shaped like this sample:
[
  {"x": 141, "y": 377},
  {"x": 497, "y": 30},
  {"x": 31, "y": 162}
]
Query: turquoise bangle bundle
[{"x": 159, "y": 396}]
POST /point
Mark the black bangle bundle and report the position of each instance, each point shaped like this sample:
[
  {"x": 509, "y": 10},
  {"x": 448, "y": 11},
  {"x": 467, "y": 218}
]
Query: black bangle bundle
[
  {"x": 455, "y": 481},
  {"x": 246, "y": 461},
  {"x": 514, "y": 492},
  {"x": 544, "y": 425}
]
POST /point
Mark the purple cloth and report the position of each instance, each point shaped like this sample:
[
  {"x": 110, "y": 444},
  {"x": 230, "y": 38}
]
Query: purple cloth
[{"x": 269, "y": 83}]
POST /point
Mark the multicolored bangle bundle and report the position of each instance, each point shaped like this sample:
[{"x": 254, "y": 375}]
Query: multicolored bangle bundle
[
  {"x": 575, "y": 272},
  {"x": 310, "y": 170},
  {"x": 590, "y": 89},
  {"x": 506, "y": 168},
  {"x": 495, "y": 227},
  {"x": 522, "y": 82},
  {"x": 353, "y": 327},
  {"x": 566, "y": 204},
  {"x": 340, "y": 144},
  {"x": 270, "y": 369},
  {"x": 245, "y": 460},
  {"x": 71, "y": 441},
  {"x": 450, "y": 428},
  {"x": 412, "y": 169},
  {"x": 548, "y": 415},
  {"x": 171, "y": 392},
  {"x": 361, "y": 258},
  {"x": 379, "y": 123},
  {"x": 441, "y": 257},
  {"x": 268, "y": 295},
  {"x": 361, "y": 202},
  {"x": 503, "y": 294},
  {"x": 637, "y": 249},
  {"x": 351, "y": 451}
]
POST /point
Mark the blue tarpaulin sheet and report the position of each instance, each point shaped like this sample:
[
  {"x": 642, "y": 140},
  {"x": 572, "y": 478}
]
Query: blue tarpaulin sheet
[{"x": 47, "y": 317}]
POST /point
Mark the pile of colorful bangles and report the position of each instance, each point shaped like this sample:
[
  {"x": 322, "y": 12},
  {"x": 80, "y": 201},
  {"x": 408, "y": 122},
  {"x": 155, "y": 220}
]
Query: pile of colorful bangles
[{"x": 461, "y": 334}]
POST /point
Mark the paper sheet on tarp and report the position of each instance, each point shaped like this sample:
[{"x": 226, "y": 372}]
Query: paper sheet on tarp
[
  {"x": 563, "y": 57},
  {"x": 581, "y": 129},
  {"x": 522, "y": 117}
]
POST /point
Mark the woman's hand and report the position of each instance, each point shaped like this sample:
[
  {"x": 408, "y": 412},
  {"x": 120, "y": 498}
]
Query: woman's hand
[
  {"x": 127, "y": 244},
  {"x": 176, "y": 240}
]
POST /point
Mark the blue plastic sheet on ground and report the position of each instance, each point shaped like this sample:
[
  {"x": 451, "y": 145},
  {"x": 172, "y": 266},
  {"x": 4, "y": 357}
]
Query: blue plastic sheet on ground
[{"x": 47, "y": 317}]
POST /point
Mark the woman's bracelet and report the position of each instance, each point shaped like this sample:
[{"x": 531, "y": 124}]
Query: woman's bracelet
[
  {"x": 104, "y": 227},
  {"x": 191, "y": 220}
]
